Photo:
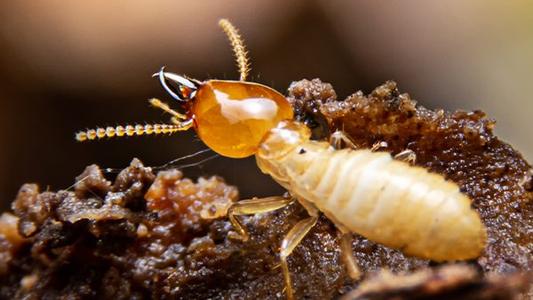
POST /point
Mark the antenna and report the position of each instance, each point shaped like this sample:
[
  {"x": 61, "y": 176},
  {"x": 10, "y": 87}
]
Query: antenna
[
  {"x": 130, "y": 130},
  {"x": 239, "y": 50}
]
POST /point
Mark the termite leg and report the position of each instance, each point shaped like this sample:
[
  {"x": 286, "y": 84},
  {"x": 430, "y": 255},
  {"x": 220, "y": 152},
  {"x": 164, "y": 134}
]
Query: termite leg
[
  {"x": 163, "y": 106},
  {"x": 338, "y": 137},
  {"x": 347, "y": 254},
  {"x": 311, "y": 209},
  {"x": 409, "y": 156},
  {"x": 291, "y": 240},
  {"x": 254, "y": 206},
  {"x": 378, "y": 146}
]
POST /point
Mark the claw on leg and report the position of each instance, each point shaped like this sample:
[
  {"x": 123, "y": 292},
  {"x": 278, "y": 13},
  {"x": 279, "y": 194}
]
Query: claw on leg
[
  {"x": 291, "y": 240},
  {"x": 409, "y": 156},
  {"x": 254, "y": 206}
]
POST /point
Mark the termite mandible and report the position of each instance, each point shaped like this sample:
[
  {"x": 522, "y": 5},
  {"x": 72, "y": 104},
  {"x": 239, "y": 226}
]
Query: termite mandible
[{"x": 361, "y": 191}]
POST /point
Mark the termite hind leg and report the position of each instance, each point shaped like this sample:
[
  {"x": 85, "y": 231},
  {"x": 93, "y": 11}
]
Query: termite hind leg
[
  {"x": 291, "y": 240},
  {"x": 338, "y": 137},
  {"x": 408, "y": 156},
  {"x": 347, "y": 255},
  {"x": 254, "y": 206}
]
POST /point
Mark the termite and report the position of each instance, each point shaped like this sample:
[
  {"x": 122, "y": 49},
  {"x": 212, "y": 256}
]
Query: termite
[{"x": 363, "y": 191}]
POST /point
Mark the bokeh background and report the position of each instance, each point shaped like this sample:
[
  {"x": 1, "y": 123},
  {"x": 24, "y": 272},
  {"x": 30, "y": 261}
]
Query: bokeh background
[{"x": 68, "y": 65}]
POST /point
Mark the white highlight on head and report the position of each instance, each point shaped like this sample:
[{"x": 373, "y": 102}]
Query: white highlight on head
[{"x": 252, "y": 108}]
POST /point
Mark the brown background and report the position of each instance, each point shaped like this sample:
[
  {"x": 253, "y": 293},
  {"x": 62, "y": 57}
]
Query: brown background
[{"x": 68, "y": 65}]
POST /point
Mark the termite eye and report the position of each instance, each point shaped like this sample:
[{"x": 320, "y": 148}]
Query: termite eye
[{"x": 178, "y": 87}]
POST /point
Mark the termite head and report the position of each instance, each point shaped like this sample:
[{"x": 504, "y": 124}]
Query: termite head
[{"x": 231, "y": 117}]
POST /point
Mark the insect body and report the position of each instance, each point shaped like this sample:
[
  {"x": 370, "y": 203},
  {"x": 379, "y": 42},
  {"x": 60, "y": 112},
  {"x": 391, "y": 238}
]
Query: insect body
[
  {"x": 383, "y": 199},
  {"x": 360, "y": 191}
]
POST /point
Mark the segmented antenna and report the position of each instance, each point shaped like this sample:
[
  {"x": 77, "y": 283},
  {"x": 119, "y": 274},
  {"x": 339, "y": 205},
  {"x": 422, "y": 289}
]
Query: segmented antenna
[
  {"x": 129, "y": 130},
  {"x": 237, "y": 43}
]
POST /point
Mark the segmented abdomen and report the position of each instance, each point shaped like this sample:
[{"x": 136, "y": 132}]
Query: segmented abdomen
[{"x": 385, "y": 200}]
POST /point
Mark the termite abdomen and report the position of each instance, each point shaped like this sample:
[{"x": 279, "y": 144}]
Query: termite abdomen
[{"x": 386, "y": 200}]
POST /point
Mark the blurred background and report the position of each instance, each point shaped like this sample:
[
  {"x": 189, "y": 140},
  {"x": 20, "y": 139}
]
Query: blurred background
[{"x": 69, "y": 65}]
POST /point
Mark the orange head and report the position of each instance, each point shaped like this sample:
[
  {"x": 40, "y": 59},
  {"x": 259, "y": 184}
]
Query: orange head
[{"x": 231, "y": 117}]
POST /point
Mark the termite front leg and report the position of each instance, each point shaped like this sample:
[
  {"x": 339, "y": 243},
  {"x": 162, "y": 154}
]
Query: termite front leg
[
  {"x": 409, "y": 156},
  {"x": 291, "y": 240},
  {"x": 254, "y": 206}
]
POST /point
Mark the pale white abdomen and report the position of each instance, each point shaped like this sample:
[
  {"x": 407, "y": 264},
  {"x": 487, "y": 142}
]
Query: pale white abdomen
[{"x": 382, "y": 199}]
